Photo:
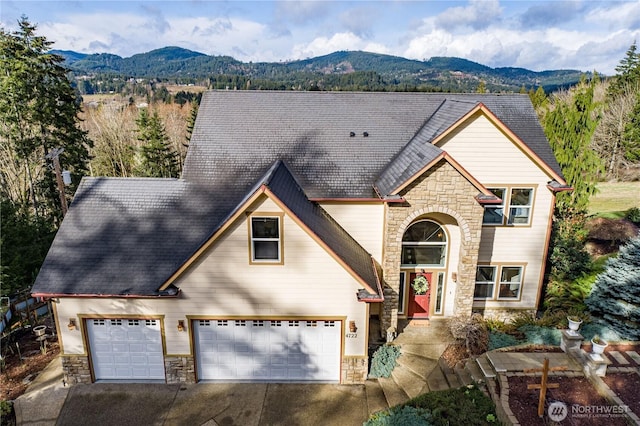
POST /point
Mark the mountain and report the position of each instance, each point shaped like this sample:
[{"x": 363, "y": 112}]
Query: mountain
[{"x": 338, "y": 68}]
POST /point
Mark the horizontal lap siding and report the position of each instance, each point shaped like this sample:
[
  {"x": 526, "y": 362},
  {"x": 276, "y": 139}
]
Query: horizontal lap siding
[
  {"x": 487, "y": 154},
  {"x": 222, "y": 283},
  {"x": 364, "y": 222}
]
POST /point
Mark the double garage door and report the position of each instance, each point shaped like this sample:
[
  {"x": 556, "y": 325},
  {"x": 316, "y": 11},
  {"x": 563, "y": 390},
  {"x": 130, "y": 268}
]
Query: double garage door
[
  {"x": 126, "y": 349},
  {"x": 268, "y": 350},
  {"x": 225, "y": 350}
]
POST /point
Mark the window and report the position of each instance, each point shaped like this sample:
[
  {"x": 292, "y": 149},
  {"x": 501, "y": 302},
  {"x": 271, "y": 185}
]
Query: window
[
  {"x": 494, "y": 213},
  {"x": 518, "y": 202},
  {"x": 265, "y": 239},
  {"x": 439, "y": 294},
  {"x": 403, "y": 276},
  {"x": 509, "y": 285},
  {"x": 510, "y": 282},
  {"x": 424, "y": 244},
  {"x": 485, "y": 280}
]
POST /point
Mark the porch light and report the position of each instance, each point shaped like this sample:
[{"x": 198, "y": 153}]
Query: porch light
[
  {"x": 454, "y": 276},
  {"x": 352, "y": 327},
  {"x": 180, "y": 325},
  {"x": 72, "y": 324}
]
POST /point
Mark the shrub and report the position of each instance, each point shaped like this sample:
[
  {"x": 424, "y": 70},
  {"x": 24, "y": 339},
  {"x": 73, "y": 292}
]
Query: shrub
[
  {"x": 473, "y": 330},
  {"x": 597, "y": 328},
  {"x": 615, "y": 298},
  {"x": 384, "y": 360},
  {"x": 401, "y": 416},
  {"x": 466, "y": 405},
  {"x": 541, "y": 335},
  {"x": 499, "y": 340},
  {"x": 633, "y": 215}
]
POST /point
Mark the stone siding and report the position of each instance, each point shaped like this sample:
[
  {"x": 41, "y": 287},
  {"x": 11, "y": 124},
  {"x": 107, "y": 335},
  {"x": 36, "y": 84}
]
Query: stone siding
[
  {"x": 180, "y": 369},
  {"x": 354, "y": 370},
  {"x": 76, "y": 369},
  {"x": 441, "y": 190}
]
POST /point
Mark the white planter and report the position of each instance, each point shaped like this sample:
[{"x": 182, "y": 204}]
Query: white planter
[
  {"x": 39, "y": 330},
  {"x": 598, "y": 348},
  {"x": 574, "y": 325}
]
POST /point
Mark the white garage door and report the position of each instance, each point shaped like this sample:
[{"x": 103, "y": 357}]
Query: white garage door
[
  {"x": 126, "y": 349},
  {"x": 256, "y": 350}
]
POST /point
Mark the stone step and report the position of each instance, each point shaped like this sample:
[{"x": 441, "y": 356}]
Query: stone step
[
  {"x": 437, "y": 381},
  {"x": 425, "y": 350},
  {"x": 472, "y": 367},
  {"x": 634, "y": 356},
  {"x": 485, "y": 366},
  {"x": 393, "y": 393},
  {"x": 464, "y": 377},
  {"x": 449, "y": 374},
  {"x": 376, "y": 400},
  {"x": 418, "y": 365},
  {"x": 620, "y": 359},
  {"x": 412, "y": 384}
]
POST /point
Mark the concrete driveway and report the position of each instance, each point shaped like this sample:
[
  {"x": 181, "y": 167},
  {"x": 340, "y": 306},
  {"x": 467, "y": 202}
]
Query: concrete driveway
[{"x": 48, "y": 402}]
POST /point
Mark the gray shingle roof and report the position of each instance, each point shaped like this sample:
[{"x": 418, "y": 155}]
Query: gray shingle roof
[
  {"x": 128, "y": 236},
  {"x": 239, "y": 132}
]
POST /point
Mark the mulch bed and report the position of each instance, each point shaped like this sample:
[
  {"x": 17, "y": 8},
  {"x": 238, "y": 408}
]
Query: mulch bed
[
  {"x": 627, "y": 387},
  {"x": 17, "y": 373},
  {"x": 576, "y": 392}
]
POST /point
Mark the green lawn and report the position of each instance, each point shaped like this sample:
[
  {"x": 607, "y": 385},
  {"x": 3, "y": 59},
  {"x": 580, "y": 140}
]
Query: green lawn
[{"x": 614, "y": 198}]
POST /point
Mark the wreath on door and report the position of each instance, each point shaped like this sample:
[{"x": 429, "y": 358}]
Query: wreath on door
[{"x": 420, "y": 285}]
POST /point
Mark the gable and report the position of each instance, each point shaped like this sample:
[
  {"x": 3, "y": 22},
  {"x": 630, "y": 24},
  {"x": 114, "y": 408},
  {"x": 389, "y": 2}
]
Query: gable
[
  {"x": 307, "y": 270},
  {"x": 492, "y": 155}
]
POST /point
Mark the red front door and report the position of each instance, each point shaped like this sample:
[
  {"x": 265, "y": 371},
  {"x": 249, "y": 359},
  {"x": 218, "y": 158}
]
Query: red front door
[{"x": 419, "y": 303}]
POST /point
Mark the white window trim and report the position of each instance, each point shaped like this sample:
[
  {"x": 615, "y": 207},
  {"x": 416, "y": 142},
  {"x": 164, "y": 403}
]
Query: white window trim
[
  {"x": 253, "y": 239},
  {"x": 496, "y": 270},
  {"x": 519, "y": 282},
  {"x": 507, "y": 206},
  {"x": 497, "y": 281}
]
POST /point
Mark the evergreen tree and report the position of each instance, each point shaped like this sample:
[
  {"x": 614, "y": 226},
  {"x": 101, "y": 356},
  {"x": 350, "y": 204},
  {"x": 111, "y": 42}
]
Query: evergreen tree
[
  {"x": 615, "y": 297},
  {"x": 191, "y": 121},
  {"x": 38, "y": 112},
  {"x": 628, "y": 71},
  {"x": 156, "y": 159},
  {"x": 631, "y": 134},
  {"x": 569, "y": 126}
]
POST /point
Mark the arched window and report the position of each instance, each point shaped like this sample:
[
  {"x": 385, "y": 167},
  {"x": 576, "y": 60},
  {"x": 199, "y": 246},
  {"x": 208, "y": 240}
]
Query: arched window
[{"x": 424, "y": 244}]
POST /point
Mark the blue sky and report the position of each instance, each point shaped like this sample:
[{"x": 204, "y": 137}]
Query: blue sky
[{"x": 539, "y": 35}]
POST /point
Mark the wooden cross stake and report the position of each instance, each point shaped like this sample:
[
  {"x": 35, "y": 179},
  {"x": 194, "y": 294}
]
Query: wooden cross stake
[{"x": 544, "y": 385}]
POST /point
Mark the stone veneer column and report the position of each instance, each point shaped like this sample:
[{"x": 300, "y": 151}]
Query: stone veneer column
[
  {"x": 443, "y": 190},
  {"x": 179, "y": 369},
  {"x": 76, "y": 369},
  {"x": 354, "y": 370}
]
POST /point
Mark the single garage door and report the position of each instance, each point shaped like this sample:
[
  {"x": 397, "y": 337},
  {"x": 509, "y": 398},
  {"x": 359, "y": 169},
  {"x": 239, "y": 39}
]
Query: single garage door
[
  {"x": 263, "y": 350},
  {"x": 126, "y": 349}
]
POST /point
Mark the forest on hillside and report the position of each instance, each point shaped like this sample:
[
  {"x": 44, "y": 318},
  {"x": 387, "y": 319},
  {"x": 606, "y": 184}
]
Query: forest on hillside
[{"x": 144, "y": 130}]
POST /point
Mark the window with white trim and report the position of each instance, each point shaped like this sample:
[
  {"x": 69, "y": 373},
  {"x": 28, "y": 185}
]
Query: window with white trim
[
  {"x": 515, "y": 208},
  {"x": 494, "y": 213},
  {"x": 266, "y": 243},
  {"x": 510, "y": 282},
  {"x": 520, "y": 203},
  {"x": 485, "y": 282},
  {"x": 424, "y": 244},
  {"x": 507, "y": 279}
]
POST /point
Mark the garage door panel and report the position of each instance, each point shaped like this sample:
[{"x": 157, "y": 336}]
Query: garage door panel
[
  {"x": 268, "y": 350},
  {"x": 126, "y": 349}
]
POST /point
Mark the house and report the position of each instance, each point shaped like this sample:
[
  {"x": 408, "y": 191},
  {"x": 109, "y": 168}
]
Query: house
[{"x": 300, "y": 216}]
